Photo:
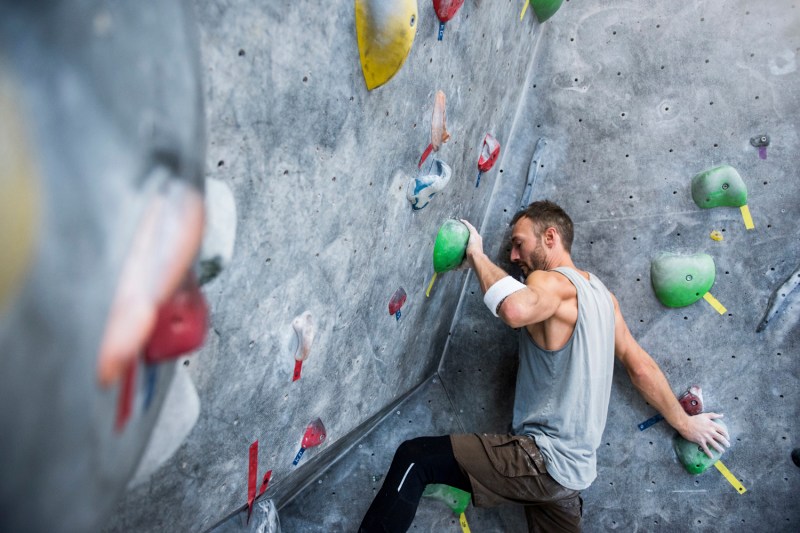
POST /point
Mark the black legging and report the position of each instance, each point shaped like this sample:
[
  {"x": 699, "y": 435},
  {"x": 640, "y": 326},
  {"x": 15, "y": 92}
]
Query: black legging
[{"x": 416, "y": 463}]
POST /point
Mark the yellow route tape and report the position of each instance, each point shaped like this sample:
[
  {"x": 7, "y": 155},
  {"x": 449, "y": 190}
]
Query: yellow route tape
[
  {"x": 430, "y": 286},
  {"x": 730, "y": 477},
  {"x": 748, "y": 220},
  {"x": 715, "y": 303},
  {"x": 524, "y": 9},
  {"x": 463, "y": 521}
]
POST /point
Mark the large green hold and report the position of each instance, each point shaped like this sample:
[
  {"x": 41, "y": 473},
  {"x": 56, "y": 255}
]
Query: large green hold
[
  {"x": 692, "y": 456},
  {"x": 450, "y": 246},
  {"x": 456, "y": 499},
  {"x": 545, "y": 9},
  {"x": 720, "y": 186},
  {"x": 681, "y": 280}
]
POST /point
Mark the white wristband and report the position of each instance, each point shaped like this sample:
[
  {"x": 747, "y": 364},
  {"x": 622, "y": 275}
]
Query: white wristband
[{"x": 500, "y": 291}]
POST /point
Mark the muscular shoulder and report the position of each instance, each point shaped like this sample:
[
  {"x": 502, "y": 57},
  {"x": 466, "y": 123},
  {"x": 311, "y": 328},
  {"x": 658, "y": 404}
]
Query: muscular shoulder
[{"x": 551, "y": 283}]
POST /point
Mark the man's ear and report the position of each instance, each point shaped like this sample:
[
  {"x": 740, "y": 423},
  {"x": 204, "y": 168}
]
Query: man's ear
[{"x": 551, "y": 237}]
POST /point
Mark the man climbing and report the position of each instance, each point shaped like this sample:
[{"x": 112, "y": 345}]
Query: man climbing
[{"x": 570, "y": 328}]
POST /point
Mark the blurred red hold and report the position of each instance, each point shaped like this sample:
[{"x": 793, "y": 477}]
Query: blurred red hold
[
  {"x": 446, "y": 9},
  {"x": 181, "y": 324}
]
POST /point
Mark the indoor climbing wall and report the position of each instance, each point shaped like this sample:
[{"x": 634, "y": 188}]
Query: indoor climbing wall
[
  {"x": 336, "y": 165},
  {"x": 641, "y": 105},
  {"x": 628, "y": 111}
]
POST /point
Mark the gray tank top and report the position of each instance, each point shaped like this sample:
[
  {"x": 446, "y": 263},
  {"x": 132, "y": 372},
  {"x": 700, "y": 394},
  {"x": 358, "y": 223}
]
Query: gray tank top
[{"x": 562, "y": 396}]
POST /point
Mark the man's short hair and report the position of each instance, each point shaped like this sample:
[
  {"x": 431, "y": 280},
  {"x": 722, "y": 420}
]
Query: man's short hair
[{"x": 546, "y": 214}]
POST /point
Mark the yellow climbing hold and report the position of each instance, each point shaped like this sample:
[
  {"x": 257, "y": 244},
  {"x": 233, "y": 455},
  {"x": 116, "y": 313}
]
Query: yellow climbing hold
[
  {"x": 748, "y": 220},
  {"x": 385, "y": 30},
  {"x": 717, "y": 236},
  {"x": 715, "y": 303},
  {"x": 730, "y": 477},
  {"x": 19, "y": 194},
  {"x": 430, "y": 285}
]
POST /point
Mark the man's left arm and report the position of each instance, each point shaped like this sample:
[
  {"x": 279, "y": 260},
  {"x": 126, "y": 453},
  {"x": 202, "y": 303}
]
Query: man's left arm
[{"x": 651, "y": 383}]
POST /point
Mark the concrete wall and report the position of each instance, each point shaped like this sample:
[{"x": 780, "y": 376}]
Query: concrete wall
[
  {"x": 633, "y": 99},
  {"x": 318, "y": 168}
]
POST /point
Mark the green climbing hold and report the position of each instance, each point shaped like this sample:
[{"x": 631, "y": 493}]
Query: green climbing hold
[
  {"x": 681, "y": 280},
  {"x": 692, "y": 456},
  {"x": 456, "y": 499},
  {"x": 450, "y": 245},
  {"x": 545, "y": 9},
  {"x": 718, "y": 187}
]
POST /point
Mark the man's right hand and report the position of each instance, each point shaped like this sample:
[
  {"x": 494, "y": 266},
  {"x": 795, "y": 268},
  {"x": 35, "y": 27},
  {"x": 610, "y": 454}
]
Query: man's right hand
[{"x": 701, "y": 429}]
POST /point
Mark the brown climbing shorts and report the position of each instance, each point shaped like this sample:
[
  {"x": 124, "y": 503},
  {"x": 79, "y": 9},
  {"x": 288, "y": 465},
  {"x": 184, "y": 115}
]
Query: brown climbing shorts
[{"x": 511, "y": 469}]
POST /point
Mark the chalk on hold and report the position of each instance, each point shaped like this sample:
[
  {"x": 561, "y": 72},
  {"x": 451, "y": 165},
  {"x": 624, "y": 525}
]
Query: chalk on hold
[
  {"x": 385, "y": 33},
  {"x": 681, "y": 280},
  {"x": 305, "y": 330},
  {"x": 420, "y": 190},
  {"x": 544, "y": 9},
  {"x": 720, "y": 186},
  {"x": 456, "y": 499},
  {"x": 446, "y": 10},
  {"x": 692, "y": 456}
]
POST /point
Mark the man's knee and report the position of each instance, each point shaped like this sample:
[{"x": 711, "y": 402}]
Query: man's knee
[{"x": 412, "y": 450}]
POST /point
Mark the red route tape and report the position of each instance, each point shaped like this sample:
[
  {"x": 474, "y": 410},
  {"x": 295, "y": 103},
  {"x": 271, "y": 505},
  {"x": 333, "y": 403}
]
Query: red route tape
[
  {"x": 251, "y": 478},
  {"x": 425, "y": 155},
  {"x": 125, "y": 400},
  {"x": 298, "y": 367},
  {"x": 264, "y": 483}
]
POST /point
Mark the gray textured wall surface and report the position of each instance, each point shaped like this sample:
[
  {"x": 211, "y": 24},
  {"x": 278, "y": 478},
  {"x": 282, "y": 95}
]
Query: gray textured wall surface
[
  {"x": 634, "y": 99},
  {"x": 318, "y": 168}
]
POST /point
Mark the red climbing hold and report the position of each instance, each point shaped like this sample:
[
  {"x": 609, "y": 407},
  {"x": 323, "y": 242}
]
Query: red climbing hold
[
  {"x": 489, "y": 153},
  {"x": 692, "y": 400},
  {"x": 397, "y": 301},
  {"x": 315, "y": 434},
  {"x": 446, "y": 9}
]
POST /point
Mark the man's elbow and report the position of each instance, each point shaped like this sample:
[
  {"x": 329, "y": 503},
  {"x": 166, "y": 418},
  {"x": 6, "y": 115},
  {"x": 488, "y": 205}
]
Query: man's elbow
[
  {"x": 642, "y": 370},
  {"x": 512, "y": 314}
]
